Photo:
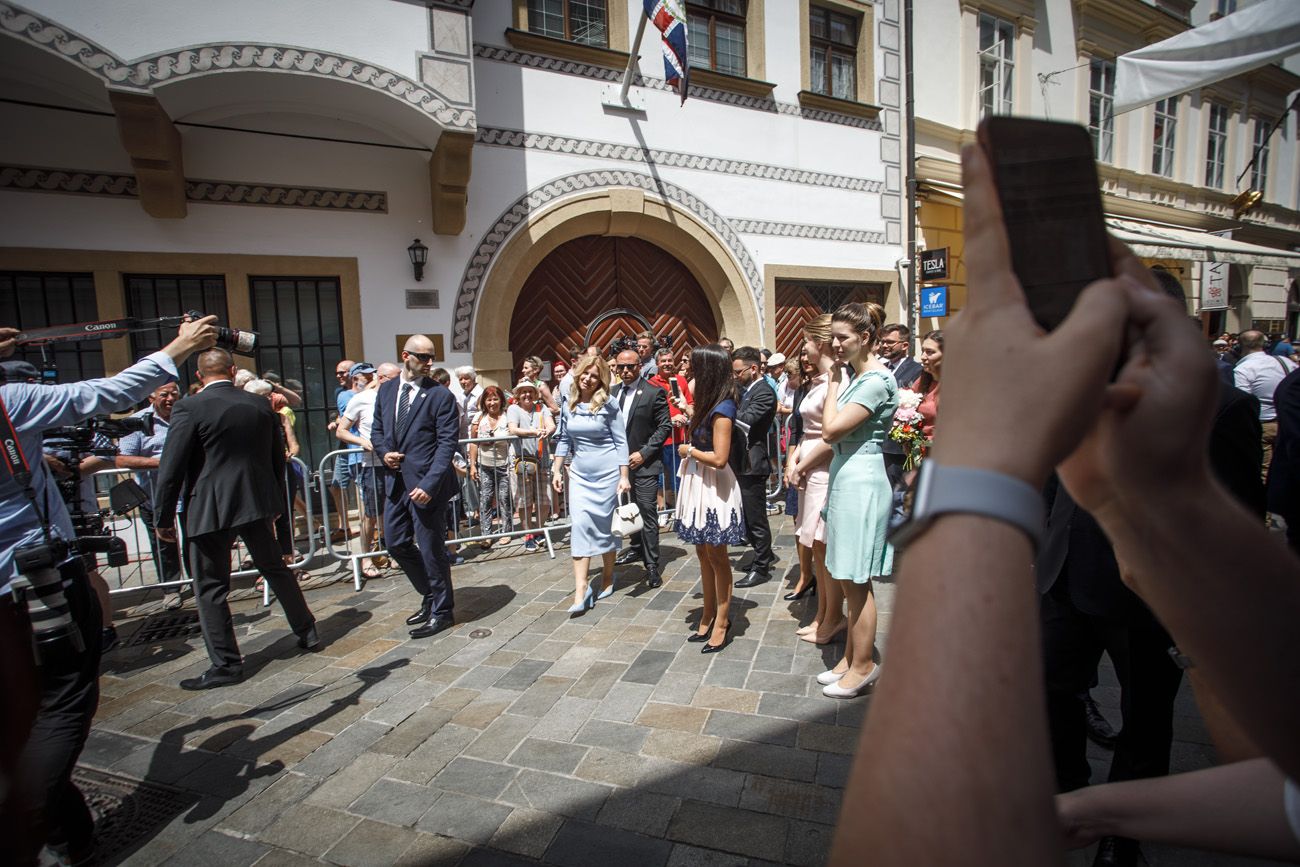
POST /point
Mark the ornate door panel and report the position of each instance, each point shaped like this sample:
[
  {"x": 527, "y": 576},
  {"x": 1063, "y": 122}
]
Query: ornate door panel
[
  {"x": 588, "y": 276},
  {"x": 799, "y": 302}
]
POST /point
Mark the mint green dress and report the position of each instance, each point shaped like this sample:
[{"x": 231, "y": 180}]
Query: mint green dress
[{"x": 858, "y": 506}]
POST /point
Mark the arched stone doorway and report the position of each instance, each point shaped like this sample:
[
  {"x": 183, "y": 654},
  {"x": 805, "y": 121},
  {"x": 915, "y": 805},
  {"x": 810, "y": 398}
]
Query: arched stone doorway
[
  {"x": 583, "y": 278},
  {"x": 485, "y": 305}
]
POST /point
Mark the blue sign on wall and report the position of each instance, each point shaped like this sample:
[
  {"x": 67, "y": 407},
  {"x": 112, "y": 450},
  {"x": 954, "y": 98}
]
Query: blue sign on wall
[{"x": 934, "y": 300}]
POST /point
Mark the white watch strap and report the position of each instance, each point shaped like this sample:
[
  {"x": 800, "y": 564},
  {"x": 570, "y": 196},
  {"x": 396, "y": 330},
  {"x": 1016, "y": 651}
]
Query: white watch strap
[{"x": 982, "y": 492}]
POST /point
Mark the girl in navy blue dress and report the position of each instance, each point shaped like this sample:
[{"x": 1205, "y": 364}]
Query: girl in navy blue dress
[{"x": 709, "y": 512}]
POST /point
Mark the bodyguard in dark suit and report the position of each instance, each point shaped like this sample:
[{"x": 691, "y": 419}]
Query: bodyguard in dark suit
[
  {"x": 644, "y": 408},
  {"x": 415, "y": 432},
  {"x": 226, "y": 450},
  {"x": 756, "y": 411},
  {"x": 895, "y": 340},
  {"x": 1284, "y": 470}
]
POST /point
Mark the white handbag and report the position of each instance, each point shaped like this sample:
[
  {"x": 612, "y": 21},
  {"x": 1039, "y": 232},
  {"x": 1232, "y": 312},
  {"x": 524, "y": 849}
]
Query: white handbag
[{"x": 627, "y": 519}]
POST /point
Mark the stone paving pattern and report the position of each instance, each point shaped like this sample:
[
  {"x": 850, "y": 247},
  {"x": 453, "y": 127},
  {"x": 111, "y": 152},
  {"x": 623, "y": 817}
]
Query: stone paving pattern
[{"x": 594, "y": 740}]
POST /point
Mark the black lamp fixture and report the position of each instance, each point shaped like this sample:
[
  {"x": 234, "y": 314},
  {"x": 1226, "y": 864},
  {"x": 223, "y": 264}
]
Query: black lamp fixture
[{"x": 419, "y": 256}]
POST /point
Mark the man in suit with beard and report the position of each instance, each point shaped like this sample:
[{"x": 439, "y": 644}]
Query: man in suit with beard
[
  {"x": 226, "y": 450},
  {"x": 415, "y": 433},
  {"x": 644, "y": 408},
  {"x": 754, "y": 416}
]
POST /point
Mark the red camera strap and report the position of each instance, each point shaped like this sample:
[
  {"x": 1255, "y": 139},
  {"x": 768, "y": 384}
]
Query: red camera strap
[{"x": 13, "y": 450}]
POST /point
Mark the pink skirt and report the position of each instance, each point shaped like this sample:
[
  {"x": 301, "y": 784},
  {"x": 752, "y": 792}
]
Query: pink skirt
[{"x": 810, "y": 526}]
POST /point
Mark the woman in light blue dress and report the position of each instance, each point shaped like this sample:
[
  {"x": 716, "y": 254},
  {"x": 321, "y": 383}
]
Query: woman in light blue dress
[
  {"x": 855, "y": 422},
  {"x": 592, "y": 435}
]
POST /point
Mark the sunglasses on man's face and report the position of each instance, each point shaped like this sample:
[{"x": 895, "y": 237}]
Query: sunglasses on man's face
[
  {"x": 426, "y": 357},
  {"x": 626, "y": 366}
]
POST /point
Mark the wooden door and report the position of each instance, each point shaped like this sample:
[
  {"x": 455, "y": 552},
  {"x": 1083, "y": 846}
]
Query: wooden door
[
  {"x": 585, "y": 277},
  {"x": 798, "y": 303}
]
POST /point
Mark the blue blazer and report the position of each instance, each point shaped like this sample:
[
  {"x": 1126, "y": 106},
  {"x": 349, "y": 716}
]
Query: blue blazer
[{"x": 431, "y": 438}]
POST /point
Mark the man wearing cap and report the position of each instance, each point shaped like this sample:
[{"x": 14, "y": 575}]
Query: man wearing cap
[
  {"x": 1224, "y": 360},
  {"x": 644, "y": 412},
  {"x": 775, "y": 371}
]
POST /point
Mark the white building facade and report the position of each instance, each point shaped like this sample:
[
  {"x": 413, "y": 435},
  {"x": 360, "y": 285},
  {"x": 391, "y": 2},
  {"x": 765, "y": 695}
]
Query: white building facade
[
  {"x": 272, "y": 162},
  {"x": 1169, "y": 171}
]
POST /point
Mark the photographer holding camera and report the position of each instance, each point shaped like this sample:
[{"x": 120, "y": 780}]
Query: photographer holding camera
[{"x": 45, "y": 600}]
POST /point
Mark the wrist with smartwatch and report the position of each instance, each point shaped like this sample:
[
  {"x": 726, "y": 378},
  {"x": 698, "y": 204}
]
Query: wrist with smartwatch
[{"x": 940, "y": 490}]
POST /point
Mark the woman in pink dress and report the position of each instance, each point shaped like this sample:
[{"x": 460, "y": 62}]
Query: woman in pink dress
[
  {"x": 927, "y": 384},
  {"x": 809, "y": 471}
]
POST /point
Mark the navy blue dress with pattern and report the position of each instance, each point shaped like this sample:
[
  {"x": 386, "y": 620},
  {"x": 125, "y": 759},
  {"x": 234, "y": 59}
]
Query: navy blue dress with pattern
[{"x": 709, "y": 511}]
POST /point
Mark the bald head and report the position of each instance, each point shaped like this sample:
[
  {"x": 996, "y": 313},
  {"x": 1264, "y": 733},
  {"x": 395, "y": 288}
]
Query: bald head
[
  {"x": 388, "y": 370},
  {"x": 215, "y": 364},
  {"x": 417, "y": 356},
  {"x": 1252, "y": 341}
]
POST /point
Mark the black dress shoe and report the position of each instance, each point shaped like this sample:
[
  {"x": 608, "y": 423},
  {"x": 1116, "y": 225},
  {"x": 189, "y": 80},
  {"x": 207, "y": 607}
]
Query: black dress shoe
[
  {"x": 309, "y": 640},
  {"x": 810, "y": 587},
  {"x": 211, "y": 679},
  {"x": 1116, "y": 852},
  {"x": 421, "y": 616},
  {"x": 627, "y": 555},
  {"x": 433, "y": 627},
  {"x": 652, "y": 578},
  {"x": 1099, "y": 730},
  {"x": 751, "y": 579}
]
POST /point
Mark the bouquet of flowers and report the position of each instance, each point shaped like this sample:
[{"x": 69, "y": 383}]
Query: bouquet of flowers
[{"x": 907, "y": 427}]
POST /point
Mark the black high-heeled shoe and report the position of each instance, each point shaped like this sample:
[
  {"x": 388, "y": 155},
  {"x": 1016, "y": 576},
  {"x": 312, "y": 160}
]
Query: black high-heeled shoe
[
  {"x": 714, "y": 648},
  {"x": 696, "y": 637},
  {"x": 810, "y": 587}
]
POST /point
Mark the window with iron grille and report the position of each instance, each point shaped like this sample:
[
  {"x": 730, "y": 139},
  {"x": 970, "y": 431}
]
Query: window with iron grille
[
  {"x": 715, "y": 35},
  {"x": 1162, "y": 150},
  {"x": 1216, "y": 146},
  {"x": 38, "y": 299},
  {"x": 833, "y": 43},
  {"x": 997, "y": 64},
  {"x": 1101, "y": 109},
  {"x": 300, "y": 320},
  {"x": 150, "y": 296},
  {"x": 581, "y": 21},
  {"x": 1259, "y": 171}
]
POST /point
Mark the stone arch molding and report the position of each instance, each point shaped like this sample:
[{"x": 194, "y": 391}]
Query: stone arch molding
[
  {"x": 145, "y": 73},
  {"x": 609, "y": 202}
]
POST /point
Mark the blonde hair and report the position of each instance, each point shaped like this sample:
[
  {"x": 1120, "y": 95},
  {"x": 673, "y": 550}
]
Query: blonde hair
[
  {"x": 818, "y": 328},
  {"x": 602, "y": 391},
  {"x": 866, "y": 319}
]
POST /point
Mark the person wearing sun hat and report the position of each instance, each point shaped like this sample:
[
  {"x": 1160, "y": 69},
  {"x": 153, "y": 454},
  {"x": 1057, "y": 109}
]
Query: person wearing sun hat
[{"x": 529, "y": 419}]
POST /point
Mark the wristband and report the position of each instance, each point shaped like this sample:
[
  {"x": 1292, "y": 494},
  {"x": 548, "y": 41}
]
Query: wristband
[{"x": 940, "y": 490}]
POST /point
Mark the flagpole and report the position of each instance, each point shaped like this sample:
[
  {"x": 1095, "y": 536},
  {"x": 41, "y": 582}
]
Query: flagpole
[{"x": 632, "y": 59}]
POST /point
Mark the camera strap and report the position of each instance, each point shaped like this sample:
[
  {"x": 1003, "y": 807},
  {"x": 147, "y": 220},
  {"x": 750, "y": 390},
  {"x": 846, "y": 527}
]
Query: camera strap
[{"x": 16, "y": 462}]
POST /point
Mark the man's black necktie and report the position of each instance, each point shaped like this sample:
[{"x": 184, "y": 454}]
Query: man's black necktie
[{"x": 403, "y": 409}]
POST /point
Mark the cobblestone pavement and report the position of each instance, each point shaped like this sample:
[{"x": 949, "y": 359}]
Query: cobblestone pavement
[{"x": 595, "y": 740}]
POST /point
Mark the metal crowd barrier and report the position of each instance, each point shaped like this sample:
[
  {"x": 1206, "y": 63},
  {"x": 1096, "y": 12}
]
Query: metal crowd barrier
[{"x": 142, "y": 563}]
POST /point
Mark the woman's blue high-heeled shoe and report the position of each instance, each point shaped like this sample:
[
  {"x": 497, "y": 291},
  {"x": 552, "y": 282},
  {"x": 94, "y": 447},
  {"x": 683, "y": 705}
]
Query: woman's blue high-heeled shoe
[
  {"x": 602, "y": 594},
  {"x": 588, "y": 601}
]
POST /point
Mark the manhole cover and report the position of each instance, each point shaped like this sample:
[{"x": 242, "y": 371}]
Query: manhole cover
[
  {"x": 480, "y": 633},
  {"x": 166, "y": 627},
  {"x": 127, "y": 812}
]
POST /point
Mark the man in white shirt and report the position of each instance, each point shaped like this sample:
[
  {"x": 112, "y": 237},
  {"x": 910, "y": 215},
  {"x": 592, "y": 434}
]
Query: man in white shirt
[
  {"x": 1258, "y": 373},
  {"x": 360, "y": 413}
]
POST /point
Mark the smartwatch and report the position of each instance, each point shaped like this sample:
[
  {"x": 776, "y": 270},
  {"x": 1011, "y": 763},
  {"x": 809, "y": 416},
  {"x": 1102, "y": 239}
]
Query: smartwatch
[{"x": 938, "y": 490}]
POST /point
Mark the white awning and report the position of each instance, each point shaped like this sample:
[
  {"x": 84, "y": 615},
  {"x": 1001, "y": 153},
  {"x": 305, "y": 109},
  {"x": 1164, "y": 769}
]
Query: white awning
[
  {"x": 1237, "y": 43},
  {"x": 1164, "y": 242}
]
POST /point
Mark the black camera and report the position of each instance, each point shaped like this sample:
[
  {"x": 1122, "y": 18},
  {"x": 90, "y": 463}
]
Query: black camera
[
  {"x": 38, "y": 589},
  {"x": 620, "y": 344},
  {"x": 232, "y": 339}
]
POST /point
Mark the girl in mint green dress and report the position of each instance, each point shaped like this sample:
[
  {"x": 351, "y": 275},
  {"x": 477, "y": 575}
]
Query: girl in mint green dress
[{"x": 855, "y": 421}]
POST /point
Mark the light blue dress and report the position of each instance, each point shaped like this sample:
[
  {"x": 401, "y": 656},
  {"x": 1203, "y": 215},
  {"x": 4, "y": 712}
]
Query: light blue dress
[
  {"x": 597, "y": 445},
  {"x": 860, "y": 498}
]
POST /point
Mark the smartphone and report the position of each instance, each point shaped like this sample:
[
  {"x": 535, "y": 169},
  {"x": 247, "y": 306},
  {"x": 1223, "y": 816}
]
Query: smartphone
[
  {"x": 1046, "y": 179},
  {"x": 677, "y": 388}
]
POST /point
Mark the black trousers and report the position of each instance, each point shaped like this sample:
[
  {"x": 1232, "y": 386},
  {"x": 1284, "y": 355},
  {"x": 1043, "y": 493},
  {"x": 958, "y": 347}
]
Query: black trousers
[
  {"x": 645, "y": 491},
  {"x": 69, "y": 694},
  {"x": 753, "y": 497},
  {"x": 1138, "y": 645},
  {"x": 210, "y": 560},
  {"x": 894, "y": 467},
  {"x": 417, "y": 540},
  {"x": 166, "y": 555}
]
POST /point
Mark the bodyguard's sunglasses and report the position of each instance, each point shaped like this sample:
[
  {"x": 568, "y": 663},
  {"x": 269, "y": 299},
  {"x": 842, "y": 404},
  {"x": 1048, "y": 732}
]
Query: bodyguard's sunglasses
[
  {"x": 426, "y": 357},
  {"x": 626, "y": 366}
]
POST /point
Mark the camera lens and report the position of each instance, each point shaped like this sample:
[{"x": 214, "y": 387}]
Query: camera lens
[{"x": 235, "y": 340}]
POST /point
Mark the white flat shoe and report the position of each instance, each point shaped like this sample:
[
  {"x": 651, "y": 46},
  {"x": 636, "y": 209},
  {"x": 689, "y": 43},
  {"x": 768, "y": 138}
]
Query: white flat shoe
[
  {"x": 834, "y": 690},
  {"x": 826, "y": 678}
]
